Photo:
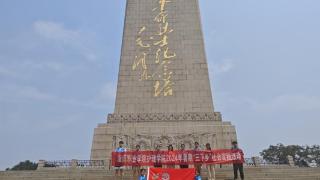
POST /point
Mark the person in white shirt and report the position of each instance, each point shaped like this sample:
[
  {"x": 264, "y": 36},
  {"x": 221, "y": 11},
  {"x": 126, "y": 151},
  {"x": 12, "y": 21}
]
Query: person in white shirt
[
  {"x": 210, "y": 167},
  {"x": 119, "y": 166},
  {"x": 197, "y": 165}
]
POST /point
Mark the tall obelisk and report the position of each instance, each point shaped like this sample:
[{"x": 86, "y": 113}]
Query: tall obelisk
[{"x": 163, "y": 93}]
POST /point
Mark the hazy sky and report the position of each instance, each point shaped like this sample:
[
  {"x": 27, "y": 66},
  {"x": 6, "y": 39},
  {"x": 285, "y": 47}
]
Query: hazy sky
[{"x": 59, "y": 62}]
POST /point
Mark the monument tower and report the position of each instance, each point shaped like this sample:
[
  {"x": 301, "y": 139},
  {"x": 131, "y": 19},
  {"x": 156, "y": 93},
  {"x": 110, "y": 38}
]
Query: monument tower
[{"x": 163, "y": 93}]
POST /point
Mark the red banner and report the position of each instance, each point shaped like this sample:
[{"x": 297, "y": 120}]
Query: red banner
[
  {"x": 167, "y": 174},
  {"x": 158, "y": 158}
]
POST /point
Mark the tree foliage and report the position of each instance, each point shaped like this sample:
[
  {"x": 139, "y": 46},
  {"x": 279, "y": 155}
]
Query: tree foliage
[
  {"x": 302, "y": 155},
  {"x": 26, "y": 165}
]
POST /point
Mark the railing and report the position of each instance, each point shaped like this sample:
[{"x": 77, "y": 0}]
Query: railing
[
  {"x": 91, "y": 163},
  {"x": 58, "y": 164},
  {"x": 249, "y": 162},
  {"x": 72, "y": 164},
  {"x": 256, "y": 161}
]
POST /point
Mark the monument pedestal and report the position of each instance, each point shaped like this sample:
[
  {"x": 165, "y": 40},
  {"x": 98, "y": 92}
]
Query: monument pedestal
[{"x": 149, "y": 130}]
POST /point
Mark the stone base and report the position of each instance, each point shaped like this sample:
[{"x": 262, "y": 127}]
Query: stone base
[
  {"x": 251, "y": 173},
  {"x": 149, "y": 130}
]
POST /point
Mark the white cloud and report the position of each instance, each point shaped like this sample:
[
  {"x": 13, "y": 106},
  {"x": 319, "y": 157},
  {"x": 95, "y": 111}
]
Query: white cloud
[
  {"x": 225, "y": 66},
  {"x": 90, "y": 56},
  {"x": 19, "y": 93},
  {"x": 7, "y": 73},
  {"x": 291, "y": 102},
  {"x": 55, "y": 66},
  {"x": 108, "y": 91},
  {"x": 28, "y": 69},
  {"x": 75, "y": 38},
  {"x": 16, "y": 93},
  {"x": 55, "y": 31},
  {"x": 34, "y": 93},
  {"x": 286, "y": 103}
]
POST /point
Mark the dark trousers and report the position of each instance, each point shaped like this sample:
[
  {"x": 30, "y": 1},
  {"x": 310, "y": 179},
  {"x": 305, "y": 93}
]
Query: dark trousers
[
  {"x": 157, "y": 165},
  {"x": 183, "y": 166},
  {"x": 237, "y": 167}
]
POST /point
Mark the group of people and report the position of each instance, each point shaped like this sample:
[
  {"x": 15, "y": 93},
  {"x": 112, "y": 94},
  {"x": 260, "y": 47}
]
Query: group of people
[{"x": 140, "y": 173}]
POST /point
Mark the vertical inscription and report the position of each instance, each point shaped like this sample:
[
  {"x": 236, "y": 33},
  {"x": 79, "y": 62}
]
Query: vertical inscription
[{"x": 162, "y": 56}]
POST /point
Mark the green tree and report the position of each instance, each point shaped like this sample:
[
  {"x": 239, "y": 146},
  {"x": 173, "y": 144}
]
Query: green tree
[
  {"x": 302, "y": 155},
  {"x": 26, "y": 165}
]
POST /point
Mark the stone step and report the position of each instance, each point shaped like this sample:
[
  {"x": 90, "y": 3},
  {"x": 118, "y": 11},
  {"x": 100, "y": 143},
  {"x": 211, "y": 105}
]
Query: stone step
[{"x": 251, "y": 173}]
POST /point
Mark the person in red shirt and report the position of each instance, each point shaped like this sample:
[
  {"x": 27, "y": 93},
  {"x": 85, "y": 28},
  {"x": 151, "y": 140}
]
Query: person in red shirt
[
  {"x": 237, "y": 165},
  {"x": 183, "y": 165},
  {"x": 136, "y": 165},
  {"x": 196, "y": 157},
  {"x": 158, "y": 161},
  {"x": 171, "y": 153}
]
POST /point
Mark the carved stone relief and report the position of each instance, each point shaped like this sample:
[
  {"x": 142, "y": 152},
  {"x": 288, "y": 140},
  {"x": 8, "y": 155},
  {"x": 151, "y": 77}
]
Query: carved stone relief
[
  {"x": 148, "y": 142},
  {"x": 151, "y": 117}
]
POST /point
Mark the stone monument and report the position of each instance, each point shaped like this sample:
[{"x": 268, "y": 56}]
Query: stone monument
[{"x": 163, "y": 93}]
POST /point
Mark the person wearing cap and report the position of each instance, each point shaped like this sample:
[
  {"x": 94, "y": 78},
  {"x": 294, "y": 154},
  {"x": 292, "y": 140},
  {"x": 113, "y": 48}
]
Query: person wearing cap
[{"x": 237, "y": 165}]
